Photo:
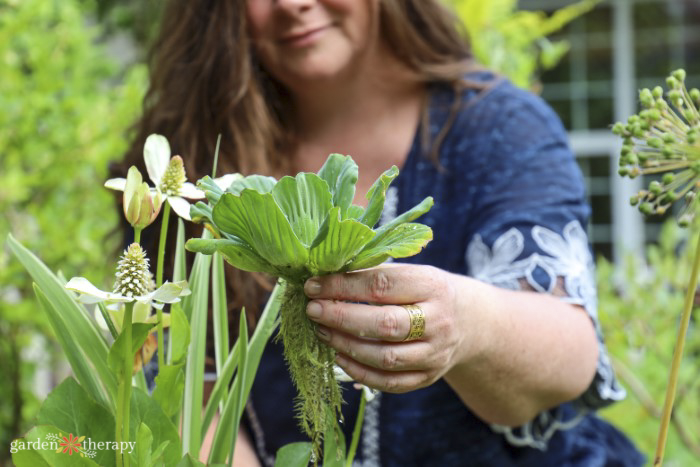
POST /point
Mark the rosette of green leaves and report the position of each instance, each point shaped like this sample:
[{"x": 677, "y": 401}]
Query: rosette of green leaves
[{"x": 305, "y": 226}]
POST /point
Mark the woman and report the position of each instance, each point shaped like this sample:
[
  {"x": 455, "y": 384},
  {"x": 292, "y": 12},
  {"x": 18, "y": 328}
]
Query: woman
[{"x": 510, "y": 364}]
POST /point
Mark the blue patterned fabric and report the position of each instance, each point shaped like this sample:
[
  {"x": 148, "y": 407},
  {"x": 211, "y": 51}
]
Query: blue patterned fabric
[{"x": 509, "y": 210}]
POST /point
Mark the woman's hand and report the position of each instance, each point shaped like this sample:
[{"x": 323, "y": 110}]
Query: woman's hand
[{"x": 369, "y": 338}]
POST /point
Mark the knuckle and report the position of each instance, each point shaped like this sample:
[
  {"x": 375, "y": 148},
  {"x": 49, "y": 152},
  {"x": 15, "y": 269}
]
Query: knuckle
[
  {"x": 379, "y": 285},
  {"x": 338, "y": 314},
  {"x": 388, "y": 325},
  {"x": 389, "y": 359},
  {"x": 392, "y": 384}
]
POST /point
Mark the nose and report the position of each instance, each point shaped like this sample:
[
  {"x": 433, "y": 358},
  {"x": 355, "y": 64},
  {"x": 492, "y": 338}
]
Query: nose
[{"x": 295, "y": 5}]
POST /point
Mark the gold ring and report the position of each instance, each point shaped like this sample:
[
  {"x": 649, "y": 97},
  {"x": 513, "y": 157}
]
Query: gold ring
[{"x": 417, "y": 328}]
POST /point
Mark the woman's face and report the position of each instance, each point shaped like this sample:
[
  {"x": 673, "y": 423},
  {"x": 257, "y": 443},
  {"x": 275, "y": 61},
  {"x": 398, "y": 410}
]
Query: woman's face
[{"x": 301, "y": 41}]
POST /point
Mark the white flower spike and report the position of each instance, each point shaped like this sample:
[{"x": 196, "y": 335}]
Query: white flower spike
[{"x": 131, "y": 284}]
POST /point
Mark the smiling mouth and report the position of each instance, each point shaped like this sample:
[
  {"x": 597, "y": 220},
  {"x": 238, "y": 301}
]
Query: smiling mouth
[{"x": 305, "y": 37}]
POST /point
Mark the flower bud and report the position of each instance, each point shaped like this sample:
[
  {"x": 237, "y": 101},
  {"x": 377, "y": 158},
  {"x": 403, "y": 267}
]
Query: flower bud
[
  {"x": 133, "y": 276},
  {"x": 657, "y": 92},
  {"x": 672, "y": 82},
  {"x": 646, "y": 208},
  {"x": 689, "y": 115},
  {"x": 668, "y": 138},
  {"x": 634, "y": 200},
  {"x": 646, "y": 98},
  {"x": 655, "y": 187},
  {"x": 655, "y": 142},
  {"x": 141, "y": 207},
  {"x": 695, "y": 95},
  {"x": 667, "y": 178},
  {"x": 619, "y": 128}
]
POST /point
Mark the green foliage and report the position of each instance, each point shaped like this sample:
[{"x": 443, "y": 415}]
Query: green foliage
[
  {"x": 515, "y": 43},
  {"x": 62, "y": 120},
  {"x": 639, "y": 308}
]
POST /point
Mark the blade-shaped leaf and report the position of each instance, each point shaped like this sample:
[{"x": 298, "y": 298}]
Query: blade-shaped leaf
[
  {"x": 402, "y": 241},
  {"x": 340, "y": 172},
  {"x": 238, "y": 253},
  {"x": 83, "y": 329},
  {"x": 78, "y": 361},
  {"x": 179, "y": 334},
  {"x": 219, "y": 313},
  {"x": 259, "y": 183},
  {"x": 377, "y": 195},
  {"x": 342, "y": 240},
  {"x": 144, "y": 438},
  {"x": 305, "y": 201},
  {"x": 257, "y": 220}
]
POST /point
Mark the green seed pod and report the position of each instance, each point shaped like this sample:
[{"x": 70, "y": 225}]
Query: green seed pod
[
  {"x": 634, "y": 200},
  {"x": 655, "y": 187},
  {"x": 670, "y": 197},
  {"x": 646, "y": 208},
  {"x": 619, "y": 129},
  {"x": 646, "y": 98},
  {"x": 655, "y": 142},
  {"x": 668, "y": 138},
  {"x": 689, "y": 115},
  {"x": 633, "y": 119},
  {"x": 667, "y": 152},
  {"x": 625, "y": 150},
  {"x": 667, "y": 178},
  {"x": 654, "y": 115},
  {"x": 638, "y": 131},
  {"x": 672, "y": 82},
  {"x": 657, "y": 92},
  {"x": 679, "y": 74},
  {"x": 695, "y": 94},
  {"x": 623, "y": 171},
  {"x": 674, "y": 95}
]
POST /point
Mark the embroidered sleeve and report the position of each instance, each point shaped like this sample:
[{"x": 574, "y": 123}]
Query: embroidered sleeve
[{"x": 562, "y": 266}]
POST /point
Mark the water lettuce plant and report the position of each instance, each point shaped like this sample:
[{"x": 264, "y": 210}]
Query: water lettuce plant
[
  {"x": 297, "y": 228},
  {"x": 664, "y": 139}
]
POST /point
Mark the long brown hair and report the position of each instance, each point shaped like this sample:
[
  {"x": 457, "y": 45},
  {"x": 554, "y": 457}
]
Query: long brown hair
[{"x": 205, "y": 80}]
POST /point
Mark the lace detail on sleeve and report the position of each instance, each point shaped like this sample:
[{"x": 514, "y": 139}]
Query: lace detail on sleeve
[{"x": 564, "y": 268}]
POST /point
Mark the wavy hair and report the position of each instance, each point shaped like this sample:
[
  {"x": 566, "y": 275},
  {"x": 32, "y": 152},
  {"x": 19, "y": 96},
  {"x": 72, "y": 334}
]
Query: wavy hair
[{"x": 205, "y": 80}]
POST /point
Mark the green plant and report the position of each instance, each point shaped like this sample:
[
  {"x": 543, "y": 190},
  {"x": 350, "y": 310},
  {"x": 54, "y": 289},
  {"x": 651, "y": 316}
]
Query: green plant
[
  {"x": 62, "y": 117},
  {"x": 637, "y": 304},
  {"x": 514, "y": 42},
  {"x": 297, "y": 228},
  {"x": 663, "y": 139}
]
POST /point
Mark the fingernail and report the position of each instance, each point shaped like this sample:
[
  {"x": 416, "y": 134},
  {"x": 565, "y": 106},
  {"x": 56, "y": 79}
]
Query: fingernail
[
  {"x": 312, "y": 287},
  {"x": 323, "y": 333},
  {"x": 313, "y": 310}
]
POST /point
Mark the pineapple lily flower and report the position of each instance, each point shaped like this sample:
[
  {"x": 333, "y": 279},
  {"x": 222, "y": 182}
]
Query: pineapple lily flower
[
  {"x": 664, "y": 139},
  {"x": 132, "y": 284},
  {"x": 297, "y": 228}
]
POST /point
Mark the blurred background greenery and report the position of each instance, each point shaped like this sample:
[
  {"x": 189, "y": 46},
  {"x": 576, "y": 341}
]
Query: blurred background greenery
[{"x": 72, "y": 77}]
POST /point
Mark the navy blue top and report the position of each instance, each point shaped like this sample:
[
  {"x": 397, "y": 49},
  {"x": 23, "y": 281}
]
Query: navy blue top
[{"x": 509, "y": 210}]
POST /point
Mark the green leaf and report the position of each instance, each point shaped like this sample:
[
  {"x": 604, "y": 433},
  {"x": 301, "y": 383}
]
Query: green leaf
[
  {"x": 219, "y": 313},
  {"x": 220, "y": 390},
  {"x": 82, "y": 329},
  {"x": 139, "y": 333},
  {"x": 157, "y": 454},
  {"x": 211, "y": 190},
  {"x": 377, "y": 195},
  {"x": 70, "y": 409},
  {"x": 179, "y": 334},
  {"x": 238, "y": 253},
  {"x": 294, "y": 455},
  {"x": 201, "y": 212},
  {"x": 259, "y": 183},
  {"x": 333, "y": 443},
  {"x": 194, "y": 373},
  {"x": 144, "y": 441},
  {"x": 227, "y": 431},
  {"x": 400, "y": 242},
  {"x": 355, "y": 212},
  {"x": 49, "y": 456},
  {"x": 340, "y": 172},
  {"x": 170, "y": 384},
  {"x": 342, "y": 240},
  {"x": 146, "y": 410},
  {"x": 189, "y": 461},
  {"x": 77, "y": 359},
  {"x": 408, "y": 216},
  {"x": 257, "y": 220},
  {"x": 305, "y": 201}
]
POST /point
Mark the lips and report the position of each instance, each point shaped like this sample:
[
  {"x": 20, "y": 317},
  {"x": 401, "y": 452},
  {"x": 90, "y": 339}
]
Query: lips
[{"x": 303, "y": 37}]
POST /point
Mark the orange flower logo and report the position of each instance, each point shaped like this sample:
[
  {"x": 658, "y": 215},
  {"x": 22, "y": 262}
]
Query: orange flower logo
[{"x": 70, "y": 444}]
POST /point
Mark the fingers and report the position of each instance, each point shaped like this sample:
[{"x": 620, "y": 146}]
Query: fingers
[
  {"x": 404, "y": 284},
  {"x": 377, "y": 354},
  {"x": 387, "y": 381},
  {"x": 389, "y": 322}
]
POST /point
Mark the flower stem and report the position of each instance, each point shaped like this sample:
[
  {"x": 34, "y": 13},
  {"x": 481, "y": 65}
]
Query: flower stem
[
  {"x": 677, "y": 356},
  {"x": 137, "y": 235},
  {"x": 159, "y": 280},
  {"x": 356, "y": 431},
  {"x": 126, "y": 374}
]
